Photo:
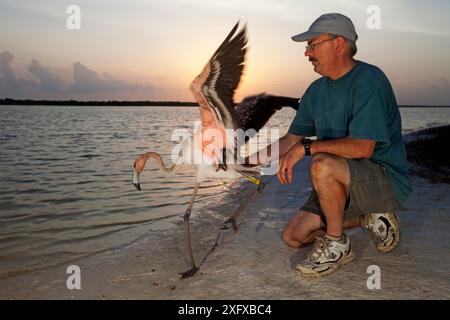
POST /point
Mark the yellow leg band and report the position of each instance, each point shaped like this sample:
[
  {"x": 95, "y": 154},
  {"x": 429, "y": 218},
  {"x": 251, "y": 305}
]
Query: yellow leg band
[{"x": 254, "y": 180}]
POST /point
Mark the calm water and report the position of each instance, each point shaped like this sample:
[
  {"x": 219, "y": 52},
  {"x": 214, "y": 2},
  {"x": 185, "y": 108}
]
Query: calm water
[{"x": 65, "y": 178}]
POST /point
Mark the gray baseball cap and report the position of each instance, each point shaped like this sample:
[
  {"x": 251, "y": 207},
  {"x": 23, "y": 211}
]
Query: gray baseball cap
[{"x": 334, "y": 23}]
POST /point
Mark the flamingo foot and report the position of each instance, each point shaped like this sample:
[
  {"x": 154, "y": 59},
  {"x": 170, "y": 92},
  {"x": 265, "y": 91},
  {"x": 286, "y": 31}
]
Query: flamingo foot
[
  {"x": 189, "y": 273},
  {"x": 233, "y": 223}
]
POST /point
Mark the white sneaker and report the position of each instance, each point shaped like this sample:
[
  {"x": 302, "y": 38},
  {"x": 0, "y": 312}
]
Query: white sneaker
[
  {"x": 326, "y": 257},
  {"x": 384, "y": 229}
]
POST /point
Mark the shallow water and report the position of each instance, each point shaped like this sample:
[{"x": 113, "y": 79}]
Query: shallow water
[{"x": 65, "y": 178}]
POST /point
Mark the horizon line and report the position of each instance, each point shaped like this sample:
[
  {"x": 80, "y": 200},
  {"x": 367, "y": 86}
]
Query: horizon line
[{"x": 73, "y": 102}]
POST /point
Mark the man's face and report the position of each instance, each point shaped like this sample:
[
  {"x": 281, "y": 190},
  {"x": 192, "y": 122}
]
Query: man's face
[{"x": 322, "y": 54}]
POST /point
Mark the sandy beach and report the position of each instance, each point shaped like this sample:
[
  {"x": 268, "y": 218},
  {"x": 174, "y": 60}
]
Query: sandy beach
[{"x": 254, "y": 263}]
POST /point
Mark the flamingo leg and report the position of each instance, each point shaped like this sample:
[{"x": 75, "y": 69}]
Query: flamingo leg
[{"x": 194, "y": 269}]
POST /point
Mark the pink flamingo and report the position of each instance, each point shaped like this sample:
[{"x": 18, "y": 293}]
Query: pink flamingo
[{"x": 213, "y": 89}]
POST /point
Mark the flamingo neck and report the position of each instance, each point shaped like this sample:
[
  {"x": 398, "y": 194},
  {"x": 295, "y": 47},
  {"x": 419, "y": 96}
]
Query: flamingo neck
[{"x": 160, "y": 162}]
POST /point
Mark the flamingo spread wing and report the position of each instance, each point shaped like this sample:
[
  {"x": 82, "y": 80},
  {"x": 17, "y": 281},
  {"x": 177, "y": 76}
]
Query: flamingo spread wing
[
  {"x": 254, "y": 112},
  {"x": 214, "y": 87}
]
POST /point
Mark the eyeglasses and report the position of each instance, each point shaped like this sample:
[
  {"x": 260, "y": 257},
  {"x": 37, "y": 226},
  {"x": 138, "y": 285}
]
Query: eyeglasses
[{"x": 313, "y": 45}]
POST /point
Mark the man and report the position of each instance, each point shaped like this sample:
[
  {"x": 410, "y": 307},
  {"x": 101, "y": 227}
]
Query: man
[{"x": 358, "y": 168}]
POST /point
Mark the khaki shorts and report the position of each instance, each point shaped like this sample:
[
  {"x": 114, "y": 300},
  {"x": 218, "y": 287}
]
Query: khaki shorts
[{"x": 370, "y": 191}]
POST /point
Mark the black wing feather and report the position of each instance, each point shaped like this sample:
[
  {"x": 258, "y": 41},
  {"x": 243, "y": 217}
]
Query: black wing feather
[
  {"x": 227, "y": 65},
  {"x": 254, "y": 112}
]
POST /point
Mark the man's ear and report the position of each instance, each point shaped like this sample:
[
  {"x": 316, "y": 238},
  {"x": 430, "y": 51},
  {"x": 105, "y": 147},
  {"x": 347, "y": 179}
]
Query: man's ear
[{"x": 340, "y": 44}]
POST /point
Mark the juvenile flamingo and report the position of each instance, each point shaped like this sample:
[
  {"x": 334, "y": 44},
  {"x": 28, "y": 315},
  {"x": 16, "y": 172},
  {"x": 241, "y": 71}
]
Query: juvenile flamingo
[{"x": 213, "y": 89}]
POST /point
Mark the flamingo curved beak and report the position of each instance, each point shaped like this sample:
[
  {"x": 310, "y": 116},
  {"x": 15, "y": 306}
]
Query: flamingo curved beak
[{"x": 135, "y": 180}]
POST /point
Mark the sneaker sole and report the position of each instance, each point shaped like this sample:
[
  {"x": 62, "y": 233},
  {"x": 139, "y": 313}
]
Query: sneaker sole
[
  {"x": 349, "y": 258},
  {"x": 394, "y": 223}
]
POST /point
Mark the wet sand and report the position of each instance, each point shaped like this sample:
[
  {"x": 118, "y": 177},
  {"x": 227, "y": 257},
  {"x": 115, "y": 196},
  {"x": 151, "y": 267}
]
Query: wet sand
[{"x": 254, "y": 263}]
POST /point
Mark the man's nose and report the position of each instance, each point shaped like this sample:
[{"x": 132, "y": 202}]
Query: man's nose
[{"x": 307, "y": 53}]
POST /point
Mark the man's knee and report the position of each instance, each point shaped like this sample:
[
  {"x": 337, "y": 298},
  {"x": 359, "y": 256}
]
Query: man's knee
[
  {"x": 322, "y": 165},
  {"x": 290, "y": 240},
  {"x": 325, "y": 166},
  {"x": 288, "y": 235},
  {"x": 297, "y": 231}
]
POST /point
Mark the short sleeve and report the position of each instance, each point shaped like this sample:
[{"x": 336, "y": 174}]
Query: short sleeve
[
  {"x": 303, "y": 123},
  {"x": 368, "y": 117}
]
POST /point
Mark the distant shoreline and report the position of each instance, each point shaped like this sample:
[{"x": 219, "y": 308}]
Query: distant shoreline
[
  {"x": 29, "y": 102},
  {"x": 117, "y": 103}
]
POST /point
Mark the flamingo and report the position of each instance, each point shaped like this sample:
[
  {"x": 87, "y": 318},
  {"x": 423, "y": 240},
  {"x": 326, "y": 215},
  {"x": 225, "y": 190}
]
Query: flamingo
[{"x": 213, "y": 89}]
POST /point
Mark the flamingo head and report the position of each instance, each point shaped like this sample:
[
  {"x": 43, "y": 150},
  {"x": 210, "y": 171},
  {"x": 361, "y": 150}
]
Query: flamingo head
[{"x": 138, "y": 166}]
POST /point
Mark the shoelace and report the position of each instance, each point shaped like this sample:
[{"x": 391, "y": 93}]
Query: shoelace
[{"x": 322, "y": 245}]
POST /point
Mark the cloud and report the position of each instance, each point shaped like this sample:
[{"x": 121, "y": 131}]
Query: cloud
[
  {"x": 286, "y": 10},
  {"x": 417, "y": 30},
  {"x": 431, "y": 92},
  {"x": 87, "y": 84},
  {"x": 47, "y": 81},
  {"x": 6, "y": 58},
  {"x": 10, "y": 85},
  {"x": 87, "y": 80}
]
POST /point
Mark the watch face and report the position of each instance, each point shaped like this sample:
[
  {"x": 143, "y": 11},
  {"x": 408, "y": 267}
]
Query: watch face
[{"x": 307, "y": 143}]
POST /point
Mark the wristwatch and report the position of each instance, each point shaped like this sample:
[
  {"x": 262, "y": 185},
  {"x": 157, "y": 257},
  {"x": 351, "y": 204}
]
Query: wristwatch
[{"x": 307, "y": 144}]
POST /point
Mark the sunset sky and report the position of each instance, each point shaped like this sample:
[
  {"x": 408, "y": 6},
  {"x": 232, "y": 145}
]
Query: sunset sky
[{"x": 152, "y": 50}]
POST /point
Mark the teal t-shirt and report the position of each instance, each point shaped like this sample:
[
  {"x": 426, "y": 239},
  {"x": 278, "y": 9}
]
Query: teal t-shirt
[{"x": 360, "y": 105}]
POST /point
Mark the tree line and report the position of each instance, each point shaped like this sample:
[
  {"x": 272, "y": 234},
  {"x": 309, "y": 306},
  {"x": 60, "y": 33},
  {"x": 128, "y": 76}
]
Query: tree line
[{"x": 8, "y": 101}]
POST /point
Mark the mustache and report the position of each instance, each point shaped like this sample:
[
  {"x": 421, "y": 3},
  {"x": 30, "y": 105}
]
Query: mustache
[{"x": 311, "y": 59}]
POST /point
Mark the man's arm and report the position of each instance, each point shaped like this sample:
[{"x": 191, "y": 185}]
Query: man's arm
[
  {"x": 345, "y": 147},
  {"x": 265, "y": 155}
]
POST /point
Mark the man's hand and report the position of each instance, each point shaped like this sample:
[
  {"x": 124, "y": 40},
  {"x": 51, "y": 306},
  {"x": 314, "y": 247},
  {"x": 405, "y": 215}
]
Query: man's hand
[{"x": 288, "y": 161}]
